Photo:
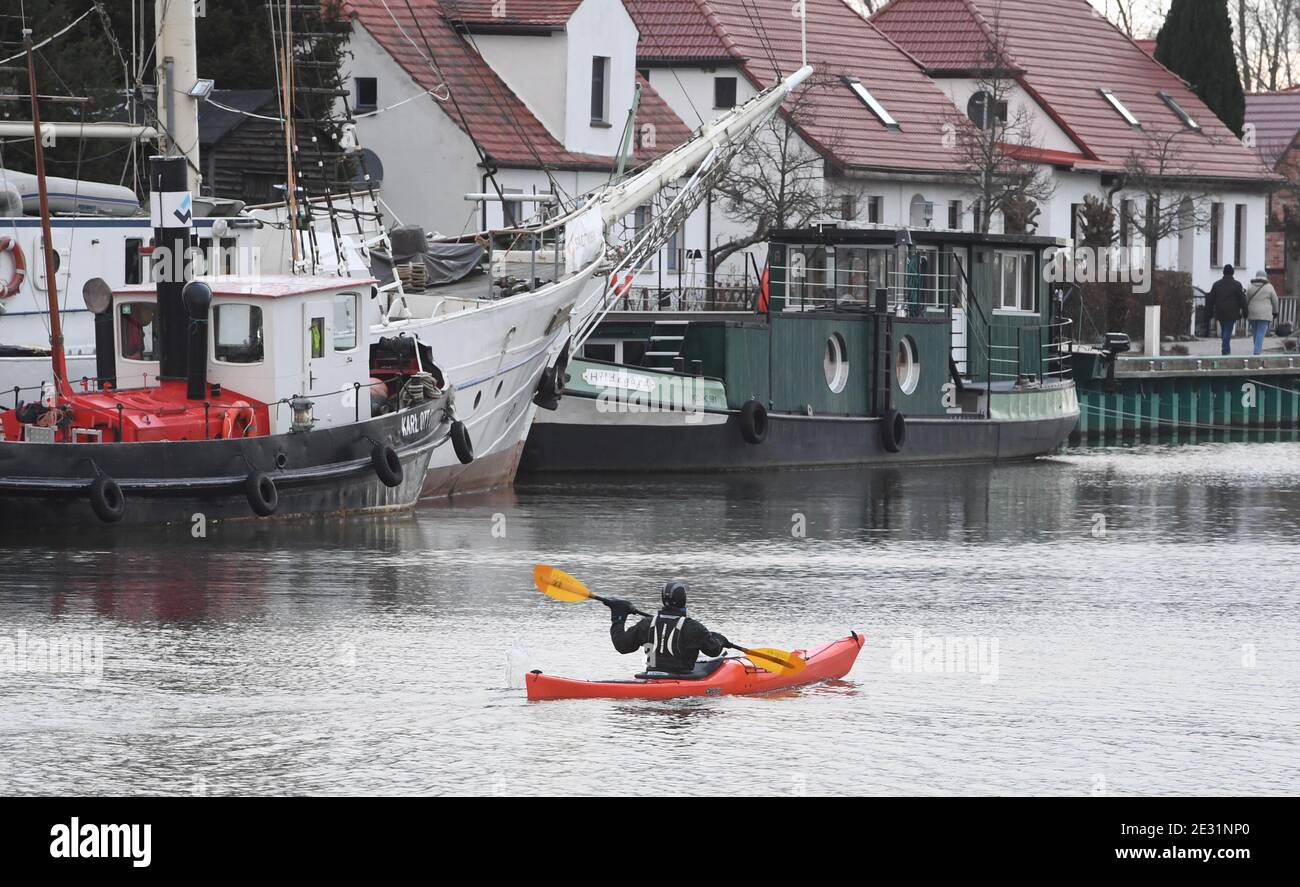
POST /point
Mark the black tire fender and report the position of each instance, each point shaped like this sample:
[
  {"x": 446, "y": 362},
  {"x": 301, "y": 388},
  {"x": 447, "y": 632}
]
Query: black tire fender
[
  {"x": 388, "y": 465},
  {"x": 893, "y": 431},
  {"x": 753, "y": 422},
  {"x": 106, "y": 499},
  {"x": 461, "y": 443},
  {"x": 263, "y": 497}
]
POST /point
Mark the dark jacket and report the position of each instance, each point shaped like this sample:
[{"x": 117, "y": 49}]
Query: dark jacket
[
  {"x": 676, "y": 640},
  {"x": 1227, "y": 301}
]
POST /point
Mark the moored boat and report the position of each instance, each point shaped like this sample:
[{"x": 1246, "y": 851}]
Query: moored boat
[
  {"x": 862, "y": 347},
  {"x": 721, "y": 677},
  {"x": 221, "y": 398}
]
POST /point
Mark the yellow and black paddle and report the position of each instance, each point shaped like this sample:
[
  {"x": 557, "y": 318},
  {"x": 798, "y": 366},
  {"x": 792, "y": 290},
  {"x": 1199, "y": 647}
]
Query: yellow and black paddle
[{"x": 560, "y": 586}]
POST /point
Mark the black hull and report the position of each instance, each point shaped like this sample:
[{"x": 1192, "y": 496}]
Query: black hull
[
  {"x": 321, "y": 472},
  {"x": 792, "y": 442}
]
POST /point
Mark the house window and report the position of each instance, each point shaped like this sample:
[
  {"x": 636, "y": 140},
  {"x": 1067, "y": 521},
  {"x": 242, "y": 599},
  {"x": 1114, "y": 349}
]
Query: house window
[
  {"x": 367, "y": 94},
  {"x": 872, "y": 104},
  {"x": 1076, "y": 222},
  {"x": 1179, "y": 111},
  {"x": 1216, "y": 235},
  {"x": 1126, "y": 223},
  {"x": 848, "y": 207},
  {"x": 640, "y": 222},
  {"x": 724, "y": 93},
  {"x": 954, "y": 215},
  {"x": 510, "y": 209},
  {"x": 983, "y": 109},
  {"x": 599, "y": 90},
  {"x": 1239, "y": 234},
  {"x": 875, "y": 210},
  {"x": 977, "y": 211},
  {"x": 1014, "y": 273},
  {"x": 1152, "y": 221},
  {"x": 674, "y": 251},
  {"x": 237, "y": 334},
  {"x": 1119, "y": 106}
]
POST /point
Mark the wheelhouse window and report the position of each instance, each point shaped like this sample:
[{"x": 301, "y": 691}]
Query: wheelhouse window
[
  {"x": 600, "y": 90},
  {"x": 136, "y": 331},
  {"x": 724, "y": 93},
  {"x": 237, "y": 334},
  {"x": 345, "y": 322},
  {"x": 1016, "y": 281}
]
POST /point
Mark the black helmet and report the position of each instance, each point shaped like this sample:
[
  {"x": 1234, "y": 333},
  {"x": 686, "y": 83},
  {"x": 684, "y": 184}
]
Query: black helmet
[{"x": 674, "y": 594}]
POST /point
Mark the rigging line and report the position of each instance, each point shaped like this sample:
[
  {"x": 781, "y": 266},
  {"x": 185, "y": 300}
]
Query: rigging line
[
  {"x": 51, "y": 38},
  {"x": 433, "y": 92},
  {"x": 673, "y": 70},
  {"x": 750, "y": 13},
  {"x": 505, "y": 115},
  {"x": 437, "y": 69}
]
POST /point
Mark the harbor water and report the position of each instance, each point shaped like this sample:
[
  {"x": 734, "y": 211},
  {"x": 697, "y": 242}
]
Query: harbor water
[{"x": 1109, "y": 621}]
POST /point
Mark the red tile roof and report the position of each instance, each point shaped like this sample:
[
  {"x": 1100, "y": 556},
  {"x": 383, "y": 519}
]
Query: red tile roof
[
  {"x": 955, "y": 35},
  {"x": 762, "y": 37},
  {"x": 495, "y": 117},
  {"x": 1276, "y": 118},
  {"x": 1068, "y": 51},
  {"x": 676, "y": 30},
  {"x": 544, "y": 13}
]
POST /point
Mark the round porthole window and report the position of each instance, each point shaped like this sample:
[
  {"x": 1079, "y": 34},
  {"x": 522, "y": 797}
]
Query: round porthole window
[
  {"x": 907, "y": 367},
  {"x": 836, "y": 363}
]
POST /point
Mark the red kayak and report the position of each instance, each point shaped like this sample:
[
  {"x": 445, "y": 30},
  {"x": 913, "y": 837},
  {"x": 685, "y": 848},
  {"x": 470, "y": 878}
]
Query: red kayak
[{"x": 733, "y": 677}]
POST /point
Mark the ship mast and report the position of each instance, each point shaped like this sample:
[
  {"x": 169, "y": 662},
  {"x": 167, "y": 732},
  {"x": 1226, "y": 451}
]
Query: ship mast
[{"x": 57, "y": 359}]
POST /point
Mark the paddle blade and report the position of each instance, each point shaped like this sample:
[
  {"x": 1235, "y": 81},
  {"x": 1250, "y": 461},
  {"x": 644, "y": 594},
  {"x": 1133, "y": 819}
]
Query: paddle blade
[
  {"x": 559, "y": 585},
  {"x": 777, "y": 661}
]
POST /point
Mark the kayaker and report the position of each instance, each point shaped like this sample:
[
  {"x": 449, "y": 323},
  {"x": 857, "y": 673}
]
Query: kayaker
[{"x": 673, "y": 639}]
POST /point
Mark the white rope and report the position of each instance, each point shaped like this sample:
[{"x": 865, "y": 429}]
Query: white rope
[
  {"x": 51, "y": 38},
  {"x": 433, "y": 92}
]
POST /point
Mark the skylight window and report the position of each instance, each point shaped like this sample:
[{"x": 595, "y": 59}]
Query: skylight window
[
  {"x": 1178, "y": 109},
  {"x": 870, "y": 101},
  {"x": 1119, "y": 106}
]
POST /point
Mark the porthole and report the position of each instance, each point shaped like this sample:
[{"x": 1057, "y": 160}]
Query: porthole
[
  {"x": 836, "y": 364},
  {"x": 907, "y": 367}
]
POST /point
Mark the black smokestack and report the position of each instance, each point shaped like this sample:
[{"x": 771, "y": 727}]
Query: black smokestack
[
  {"x": 172, "y": 210},
  {"x": 198, "y": 299}
]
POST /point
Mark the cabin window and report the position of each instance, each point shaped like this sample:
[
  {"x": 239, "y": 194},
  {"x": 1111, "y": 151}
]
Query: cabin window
[
  {"x": 836, "y": 364},
  {"x": 600, "y": 90},
  {"x": 724, "y": 93},
  {"x": 237, "y": 334},
  {"x": 134, "y": 266},
  {"x": 136, "y": 331},
  {"x": 367, "y": 94},
  {"x": 907, "y": 366},
  {"x": 604, "y": 351},
  {"x": 345, "y": 322},
  {"x": 1015, "y": 275}
]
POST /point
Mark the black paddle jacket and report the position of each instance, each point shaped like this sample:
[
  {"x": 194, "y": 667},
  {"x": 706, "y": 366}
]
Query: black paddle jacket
[{"x": 676, "y": 640}]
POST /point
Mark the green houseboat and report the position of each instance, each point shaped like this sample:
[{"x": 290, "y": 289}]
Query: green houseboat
[{"x": 855, "y": 347}]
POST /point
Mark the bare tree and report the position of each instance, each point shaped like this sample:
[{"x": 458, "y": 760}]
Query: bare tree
[
  {"x": 1174, "y": 202},
  {"x": 996, "y": 146},
  {"x": 777, "y": 180}
]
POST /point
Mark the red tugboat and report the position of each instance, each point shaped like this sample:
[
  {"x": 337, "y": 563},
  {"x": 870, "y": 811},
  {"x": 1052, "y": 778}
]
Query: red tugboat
[{"x": 225, "y": 398}]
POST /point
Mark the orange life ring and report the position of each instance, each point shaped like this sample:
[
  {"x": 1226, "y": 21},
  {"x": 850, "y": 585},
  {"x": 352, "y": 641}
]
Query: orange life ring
[
  {"x": 240, "y": 414},
  {"x": 11, "y": 286}
]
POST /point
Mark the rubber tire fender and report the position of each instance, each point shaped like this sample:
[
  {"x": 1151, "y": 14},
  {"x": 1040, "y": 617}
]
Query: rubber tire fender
[
  {"x": 753, "y": 422},
  {"x": 388, "y": 465},
  {"x": 893, "y": 431},
  {"x": 461, "y": 443},
  {"x": 106, "y": 499},
  {"x": 263, "y": 497}
]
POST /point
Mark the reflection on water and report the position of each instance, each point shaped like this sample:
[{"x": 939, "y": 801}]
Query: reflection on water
[{"x": 1142, "y": 601}]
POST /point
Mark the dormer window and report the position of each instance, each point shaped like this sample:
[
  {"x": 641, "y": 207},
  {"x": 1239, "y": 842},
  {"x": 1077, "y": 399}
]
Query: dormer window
[
  {"x": 1178, "y": 109},
  {"x": 600, "y": 90},
  {"x": 1119, "y": 106},
  {"x": 870, "y": 101}
]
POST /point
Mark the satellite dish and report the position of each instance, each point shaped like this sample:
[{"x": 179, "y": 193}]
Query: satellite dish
[{"x": 97, "y": 294}]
